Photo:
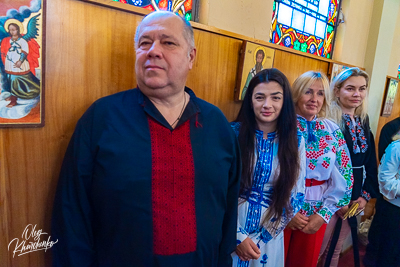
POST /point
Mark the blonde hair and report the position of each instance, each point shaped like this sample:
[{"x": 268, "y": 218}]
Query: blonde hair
[
  {"x": 335, "y": 111},
  {"x": 396, "y": 136},
  {"x": 304, "y": 81}
]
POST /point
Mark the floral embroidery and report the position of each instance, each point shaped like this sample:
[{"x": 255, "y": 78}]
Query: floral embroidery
[
  {"x": 312, "y": 164},
  {"x": 264, "y": 260},
  {"x": 357, "y": 133},
  {"x": 326, "y": 152},
  {"x": 326, "y": 162},
  {"x": 365, "y": 195}
]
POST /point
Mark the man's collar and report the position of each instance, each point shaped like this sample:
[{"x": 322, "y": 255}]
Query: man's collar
[{"x": 191, "y": 109}]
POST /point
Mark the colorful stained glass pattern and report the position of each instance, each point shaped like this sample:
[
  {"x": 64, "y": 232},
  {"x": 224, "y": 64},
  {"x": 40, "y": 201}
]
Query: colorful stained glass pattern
[
  {"x": 305, "y": 25},
  {"x": 398, "y": 72},
  {"x": 182, "y": 7}
]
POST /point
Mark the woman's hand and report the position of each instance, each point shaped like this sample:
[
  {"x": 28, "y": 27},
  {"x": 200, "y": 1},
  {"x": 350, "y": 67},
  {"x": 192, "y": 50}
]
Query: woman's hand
[
  {"x": 247, "y": 250},
  {"x": 361, "y": 204},
  {"x": 298, "y": 222},
  {"x": 315, "y": 222},
  {"x": 342, "y": 211}
]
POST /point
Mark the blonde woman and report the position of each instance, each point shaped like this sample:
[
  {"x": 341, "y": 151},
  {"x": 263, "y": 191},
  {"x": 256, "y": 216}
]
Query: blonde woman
[
  {"x": 328, "y": 171},
  {"x": 348, "y": 107}
]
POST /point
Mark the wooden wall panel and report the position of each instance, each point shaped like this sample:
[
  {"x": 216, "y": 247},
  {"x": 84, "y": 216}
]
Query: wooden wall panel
[
  {"x": 293, "y": 65},
  {"x": 213, "y": 76},
  {"x": 90, "y": 54}
]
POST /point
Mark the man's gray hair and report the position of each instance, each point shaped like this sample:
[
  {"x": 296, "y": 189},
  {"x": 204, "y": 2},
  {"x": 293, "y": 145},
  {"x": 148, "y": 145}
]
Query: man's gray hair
[{"x": 187, "y": 29}]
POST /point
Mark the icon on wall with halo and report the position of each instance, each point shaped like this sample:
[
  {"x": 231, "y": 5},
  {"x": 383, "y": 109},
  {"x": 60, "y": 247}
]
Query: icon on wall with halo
[
  {"x": 22, "y": 64},
  {"x": 390, "y": 95},
  {"x": 253, "y": 59}
]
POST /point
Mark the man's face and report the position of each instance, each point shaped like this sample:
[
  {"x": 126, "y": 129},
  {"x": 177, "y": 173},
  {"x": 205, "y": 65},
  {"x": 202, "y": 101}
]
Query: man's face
[
  {"x": 259, "y": 58},
  {"x": 163, "y": 59}
]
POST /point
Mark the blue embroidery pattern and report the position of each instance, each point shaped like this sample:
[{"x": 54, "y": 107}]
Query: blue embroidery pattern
[
  {"x": 258, "y": 200},
  {"x": 264, "y": 259},
  {"x": 257, "y": 197}
]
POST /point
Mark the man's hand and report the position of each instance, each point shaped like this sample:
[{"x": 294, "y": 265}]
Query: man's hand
[
  {"x": 298, "y": 222},
  {"x": 342, "y": 211},
  {"x": 247, "y": 250},
  {"x": 315, "y": 222}
]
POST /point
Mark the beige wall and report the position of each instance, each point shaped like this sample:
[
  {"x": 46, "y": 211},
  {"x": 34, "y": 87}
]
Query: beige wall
[
  {"x": 377, "y": 57},
  {"x": 352, "y": 35},
  {"x": 248, "y": 17},
  {"x": 395, "y": 54}
]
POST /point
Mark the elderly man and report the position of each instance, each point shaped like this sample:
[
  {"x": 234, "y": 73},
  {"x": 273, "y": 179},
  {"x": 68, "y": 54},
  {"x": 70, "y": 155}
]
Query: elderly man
[{"x": 151, "y": 175}]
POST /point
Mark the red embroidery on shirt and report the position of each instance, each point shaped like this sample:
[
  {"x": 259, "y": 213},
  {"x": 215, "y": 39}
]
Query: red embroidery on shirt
[{"x": 173, "y": 195}]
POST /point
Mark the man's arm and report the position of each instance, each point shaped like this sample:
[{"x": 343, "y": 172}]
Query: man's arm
[
  {"x": 229, "y": 227},
  {"x": 72, "y": 210}
]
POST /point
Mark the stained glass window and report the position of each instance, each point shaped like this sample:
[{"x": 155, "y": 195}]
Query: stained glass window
[
  {"x": 398, "y": 72},
  {"x": 184, "y": 8},
  {"x": 305, "y": 25}
]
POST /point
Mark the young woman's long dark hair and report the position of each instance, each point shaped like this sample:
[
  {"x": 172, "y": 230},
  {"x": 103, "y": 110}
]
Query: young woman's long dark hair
[{"x": 286, "y": 130}]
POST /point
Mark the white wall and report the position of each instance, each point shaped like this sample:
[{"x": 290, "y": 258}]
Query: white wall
[{"x": 247, "y": 17}]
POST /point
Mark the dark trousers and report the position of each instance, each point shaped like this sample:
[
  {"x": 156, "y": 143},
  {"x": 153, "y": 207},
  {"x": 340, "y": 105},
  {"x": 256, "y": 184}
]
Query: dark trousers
[{"x": 383, "y": 249}]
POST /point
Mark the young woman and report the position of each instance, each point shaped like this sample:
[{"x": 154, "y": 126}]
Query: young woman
[
  {"x": 273, "y": 158},
  {"x": 348, "y": 107},
  {"x": 328, "y": 172}
]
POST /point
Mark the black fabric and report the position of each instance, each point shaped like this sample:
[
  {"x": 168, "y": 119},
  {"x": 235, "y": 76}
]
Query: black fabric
[
  {"x": 383, "y": 249},
  {"x": 387, "y": 132},
  {"x": 368, "y": 160},
  {"x": 102, "y": 213},
  {"x": 334, "y": 240},
  {"x": 353, "y": 227}
]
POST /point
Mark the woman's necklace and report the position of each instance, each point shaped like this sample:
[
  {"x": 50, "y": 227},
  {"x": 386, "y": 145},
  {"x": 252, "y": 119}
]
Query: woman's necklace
[{"x": 183, "y": 108}]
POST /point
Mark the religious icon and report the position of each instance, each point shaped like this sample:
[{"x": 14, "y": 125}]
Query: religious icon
[
  {"x": 336, "y": 69},
  {"x": 390, "y": 95},
  {"x": 21, "y": 70},
  {"x": 254, "y": 58}
]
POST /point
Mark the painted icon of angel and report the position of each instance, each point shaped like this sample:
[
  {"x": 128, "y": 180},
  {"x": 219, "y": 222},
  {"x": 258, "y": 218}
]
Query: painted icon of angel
[{"x": 19, "y": 54}]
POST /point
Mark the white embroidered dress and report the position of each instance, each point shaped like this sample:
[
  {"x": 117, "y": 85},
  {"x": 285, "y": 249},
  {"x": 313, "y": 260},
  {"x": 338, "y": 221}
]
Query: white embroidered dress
[
  {"x": 328, "y": 159},
  {"x": 252, "y": 211}
]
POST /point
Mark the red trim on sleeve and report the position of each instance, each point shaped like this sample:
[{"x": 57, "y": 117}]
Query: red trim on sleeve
[{"x": 173, "y": 199}]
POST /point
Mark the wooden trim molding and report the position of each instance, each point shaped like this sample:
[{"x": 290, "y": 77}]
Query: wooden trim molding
[{"x": 141, "y": 11}]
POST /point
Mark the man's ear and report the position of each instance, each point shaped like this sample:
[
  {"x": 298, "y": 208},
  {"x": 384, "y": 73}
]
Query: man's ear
[{"x": 192, "y": 56}]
